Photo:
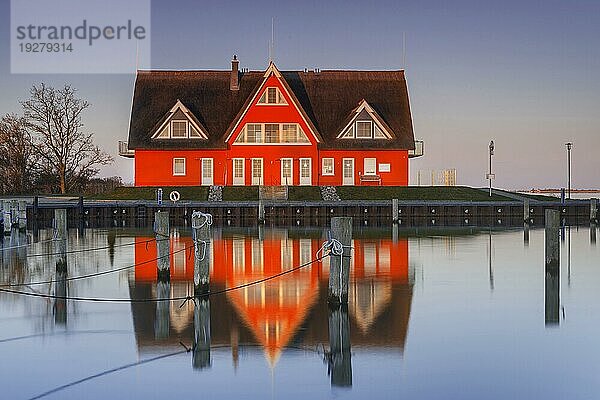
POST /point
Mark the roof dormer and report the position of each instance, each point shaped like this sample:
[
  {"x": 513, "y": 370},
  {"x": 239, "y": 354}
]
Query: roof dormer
[{"x": 180, "y": 123}]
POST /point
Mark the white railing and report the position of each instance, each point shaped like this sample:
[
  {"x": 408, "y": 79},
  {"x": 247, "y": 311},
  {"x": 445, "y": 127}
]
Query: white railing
[
  {"x": 418, "y": 151},
  {"x": 124, "y": 150}
]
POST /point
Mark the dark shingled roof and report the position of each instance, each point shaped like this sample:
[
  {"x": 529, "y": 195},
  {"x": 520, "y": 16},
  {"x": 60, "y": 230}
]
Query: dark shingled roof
[{"x": 328, "y": 98}]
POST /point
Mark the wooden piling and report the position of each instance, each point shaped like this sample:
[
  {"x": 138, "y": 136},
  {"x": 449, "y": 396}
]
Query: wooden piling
[
  {"x": 60, "y": 227},
  {"x": 163, "y": 245},
  {"x": 201, "y": 344},
  {"x": 395, "y": 211},
  {"x": 36, "y": 207},
  {"x": 80, "y": 206},
  {"x": 14, "y": 213},
  {"x": 340, "y": 359},
  {"x": 594, "y": 210},
  {"x": 6, "y": 215},
  {"x": 202, "y": 250},
  {"x": 526, "y": 211},
  {"x": 339, "y": 274},
  {"x": 22, "y": 215},
  {"x": 552, "y": 276},
  {"x": 261, "y": 212}
]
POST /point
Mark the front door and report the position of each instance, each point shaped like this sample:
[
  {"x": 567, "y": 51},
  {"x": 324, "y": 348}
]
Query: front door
[
  {"x": 257, "y": 171},
  {"x": 348, "y": 171},
  {"x": 305, "y": 171},
  {"x": 238, "y": 171},
  {"x": 207, "y": 171},
  {"x": 286, "y": 171}
]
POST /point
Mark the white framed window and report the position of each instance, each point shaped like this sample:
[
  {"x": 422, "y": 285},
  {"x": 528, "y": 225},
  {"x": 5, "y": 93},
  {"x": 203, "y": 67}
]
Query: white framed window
[
  {"x": 253, "y": 133},
  {"x": 328, "y": 167},
  {"x": 349, "y": 134},
  {"x": 179, "y": 129},
  {"x": 270, "y": 133},
  {"x": 378, "y": 133},
  {"x": 286, "y": 171},
  {"x": 179, "y": 167},
  {"x": 238, "y": 171},
  {"x": 364, "y": 129},
  {"x": 272, "y": 96},
  {"x": 207, "y": 171},
  {"x": 370, "y": 165}
]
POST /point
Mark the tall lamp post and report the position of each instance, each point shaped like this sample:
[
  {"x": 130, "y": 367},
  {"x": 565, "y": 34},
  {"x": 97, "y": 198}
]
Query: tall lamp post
[
  {"x": 491, "y": 176},
  {"x": 569, "y": 147}
]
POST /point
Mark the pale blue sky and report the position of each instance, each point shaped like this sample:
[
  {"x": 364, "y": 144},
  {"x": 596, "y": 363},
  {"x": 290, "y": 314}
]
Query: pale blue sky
[{"x": 524, "y": 73}]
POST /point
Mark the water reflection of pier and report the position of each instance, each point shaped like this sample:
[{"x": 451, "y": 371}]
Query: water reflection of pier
[{"x": 289, "y": 310}]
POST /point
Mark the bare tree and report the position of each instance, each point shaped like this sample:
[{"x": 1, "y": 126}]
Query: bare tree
[
  {"x": 18, "y": 158},
  {"x": 55, "y": 118}
]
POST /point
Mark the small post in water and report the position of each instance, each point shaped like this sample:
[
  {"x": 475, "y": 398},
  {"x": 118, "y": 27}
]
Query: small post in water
[
  {"x": 526, "y": 211},
  {"x": 60, "y": 226},
  {"x": 22, "y": 215},
  {"x": 594, "y": 210},
  {"x": 395, "y": 211},
  {"x": 261, "y": 212},
  {"x": 14, "y": 211},
  {"x": 552, "y": 261},
  {"x": 163, "y": 245},
  {"x": 6, "y": 215},
  {"x": 339, "y": 274},
  {"x": 202, "y": 247}
]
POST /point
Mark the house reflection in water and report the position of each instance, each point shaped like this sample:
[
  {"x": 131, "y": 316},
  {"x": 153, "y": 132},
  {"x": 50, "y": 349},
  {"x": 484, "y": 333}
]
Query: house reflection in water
[{"x": 290, "y": 310}]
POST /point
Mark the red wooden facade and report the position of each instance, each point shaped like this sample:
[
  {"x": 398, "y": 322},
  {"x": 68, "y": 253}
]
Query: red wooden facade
[{"x": 266, "y": 135}]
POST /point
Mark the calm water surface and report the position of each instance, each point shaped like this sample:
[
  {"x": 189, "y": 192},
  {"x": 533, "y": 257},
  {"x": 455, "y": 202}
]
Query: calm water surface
[{"x": 466, "y": 314}]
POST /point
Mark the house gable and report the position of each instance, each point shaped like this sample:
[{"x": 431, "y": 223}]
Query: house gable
[
  {"x": 364, "y": 123},
  {"x": 284, "y": 110},
  {"x": 179, "y": 123}
]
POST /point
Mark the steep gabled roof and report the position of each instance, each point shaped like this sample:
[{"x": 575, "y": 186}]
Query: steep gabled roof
[{"x": 327, "y": 98}]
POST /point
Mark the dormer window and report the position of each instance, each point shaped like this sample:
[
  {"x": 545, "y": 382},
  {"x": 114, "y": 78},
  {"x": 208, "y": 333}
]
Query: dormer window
[
  {"x": 180, "y": 124},
  {"x": 179, "y": 129},
  {"x": 364, "y": 130},
  {"x": 272, "y": 96}
]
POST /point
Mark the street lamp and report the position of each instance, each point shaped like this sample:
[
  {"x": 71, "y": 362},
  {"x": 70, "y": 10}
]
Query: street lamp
[
  {"x": 491, "y": 176},
  {"x": 569, "y": 147}
]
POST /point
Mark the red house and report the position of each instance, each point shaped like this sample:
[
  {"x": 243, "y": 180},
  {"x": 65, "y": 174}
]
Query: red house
[{"x": 270, "y": 128}]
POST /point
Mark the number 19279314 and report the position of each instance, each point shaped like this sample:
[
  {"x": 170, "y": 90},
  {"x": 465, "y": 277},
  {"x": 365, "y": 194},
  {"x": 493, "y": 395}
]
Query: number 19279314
[{"x": 45, "y": 47}]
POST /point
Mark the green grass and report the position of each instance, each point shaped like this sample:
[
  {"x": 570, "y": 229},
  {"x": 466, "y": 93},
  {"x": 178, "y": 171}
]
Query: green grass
[
  {"x": 188, "y": 193},
  {"x": 240, "y": 193},
  {"x": 460, "y": 193},
  {"x": 304, "y": 193}
]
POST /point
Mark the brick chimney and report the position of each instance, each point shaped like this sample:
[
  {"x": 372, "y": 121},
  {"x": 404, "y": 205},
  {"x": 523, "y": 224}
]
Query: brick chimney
[{"x": 234, "y": 83}]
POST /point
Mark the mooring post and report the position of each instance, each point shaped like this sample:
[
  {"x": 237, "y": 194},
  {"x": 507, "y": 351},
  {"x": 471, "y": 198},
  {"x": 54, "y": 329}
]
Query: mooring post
[
  {"x": 261, "y": 212},
  {"x": 80, "y": 206},
  {"x": 339, "y": 272},
  {"x": 526, "y": 211},
  {"x": 14, "y": 212},
  {"x": 395, "y": 211},
  {"x": 22, "y": 215},
  {"x": 60, "y": 226},
  {"x": 202, "y": 249},
  {"x": 552, "y": 293},
  {"x": 163, "y": 245},
  {"x": 593, "y": 233},
  {"x": 36, "y": 205},
  {"x": 6, "y": 215},
  {"x": 201, "y": 348},
  {"x": 594, "y": 210},
  {"x": 339, "y": 360}
]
